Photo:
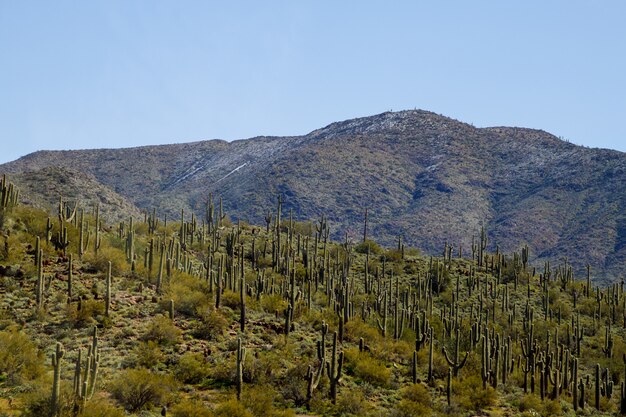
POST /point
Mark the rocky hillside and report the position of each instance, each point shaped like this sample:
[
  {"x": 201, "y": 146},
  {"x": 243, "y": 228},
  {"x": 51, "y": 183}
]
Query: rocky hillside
[
  {"x": 426, "y": 177},
  {"x": 43, "y": 187}
]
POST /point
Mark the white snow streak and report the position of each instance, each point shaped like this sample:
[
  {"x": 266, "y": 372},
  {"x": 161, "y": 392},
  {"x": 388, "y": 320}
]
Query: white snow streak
[{"x": 232, "y": 172}]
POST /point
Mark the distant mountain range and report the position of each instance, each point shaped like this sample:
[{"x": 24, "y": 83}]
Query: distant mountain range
[{"x": 422, "y": 176}]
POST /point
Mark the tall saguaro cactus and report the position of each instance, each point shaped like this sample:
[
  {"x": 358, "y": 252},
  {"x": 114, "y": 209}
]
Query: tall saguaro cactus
[
  {"x": 56, "y": 385},
  {"x": 334, "y": 369},
  {"x": 241, "y": 356}
]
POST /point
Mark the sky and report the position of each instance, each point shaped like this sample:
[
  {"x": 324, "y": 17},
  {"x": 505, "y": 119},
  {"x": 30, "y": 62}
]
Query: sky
[{"x": 95, "y": 74}]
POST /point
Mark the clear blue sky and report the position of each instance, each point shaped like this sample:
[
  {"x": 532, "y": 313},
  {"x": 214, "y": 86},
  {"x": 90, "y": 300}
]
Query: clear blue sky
[{"x": 85, "y": 74}]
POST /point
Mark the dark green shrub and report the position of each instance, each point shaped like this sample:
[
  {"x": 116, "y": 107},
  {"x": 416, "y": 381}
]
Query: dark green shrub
[
  {"x": 373, "y": 247},
  {"x": 231, "y": 299},
  {"x": 391, "y": 255}
]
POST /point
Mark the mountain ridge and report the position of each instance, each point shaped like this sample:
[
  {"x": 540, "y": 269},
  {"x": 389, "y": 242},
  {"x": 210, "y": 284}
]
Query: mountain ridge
[{"x": 424, "y": 176}]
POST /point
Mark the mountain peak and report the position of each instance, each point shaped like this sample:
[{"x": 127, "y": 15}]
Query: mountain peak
[
  {"x": 423, "y": 176},
  {"x": 390, "y": 121}
]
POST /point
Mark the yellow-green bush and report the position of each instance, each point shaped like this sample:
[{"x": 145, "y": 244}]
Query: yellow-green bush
[
  {"x": 352, "y": 403},
  {"x": 106, "y": 254},
  {"x": 190, "y": 409},
  {"x": 191, "y": 368},
  {"x": 232, "y": 408},
  {"x": 356, "y": 329},
  {"x": 148, "y": 354},
  {"x": 90, "y": 311},
  {"x": 137, "y": 389},
  {"x": 416, "y": 401},
  {"x": 470, "y": 394},
  {"x": 20, "y": 359},
  {"x": 231, "y": 299},
  {"x": 272, "y": 303},
  {"x": 211, "y": 326},
  {"x": 363, "y": 247},
  {"x": 259, "y": 400},
  {"x": 530, "y": 402},
  {"x": 37, "y": 401},
  {"x": 162, "y": 331},
  {"x": 367, "y": 368},
  {"x": 101, "y": 408},
  {"x": 189, "y": 295},
  {"x": 552, "y": 408},
  {"x": 406, "y": 408}
]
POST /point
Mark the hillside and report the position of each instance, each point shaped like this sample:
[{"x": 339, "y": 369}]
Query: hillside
[
  {"x": 237, "y": 320},
  {"x": 426, "y": 177},
  {"x": 42, "y": 188}
]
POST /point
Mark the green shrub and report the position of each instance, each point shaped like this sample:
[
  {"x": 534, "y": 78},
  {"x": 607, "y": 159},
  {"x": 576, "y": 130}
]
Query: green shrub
[
  {"x": 231, "y": 299},
  {"x": 294, "y": 386},
  {"x": 106, "y": 254},
  {"x": 374, "y": 248},
  {"x": 417, "y": 393},
  {"x": 211, "y": 325},
  {"x": 137, "y": 389},
  {"x": 190, "y": 409},
  {"x": 162, "y": 331},
  {"x": 232, "y": 408},
  {"x": 352, "y": 403},
  {"x": 552, "y": 408},
  {"x": 357, "y": 329},
  {"x": 259, "y": 400},
  {"x": 530, "y": 402},
  {"x": 89, "y": 313},
  {"x": 416, "y": 401},
  {"x": 148, "y": 354},
  {"x": 406, "y": 408},
  {"x": 101, "y": 408},
  {"x": 471, "y": 395},
  {"x": 20, "y": 359},
  {"x": 191, "y": 368},
  {"x": 391, "y": 255},
  {"x": 272, "y": 303},
  {"x": 367, "y": 368},
  {"x": 37, "y": 401},
  {"x": 189, "y": 295}
]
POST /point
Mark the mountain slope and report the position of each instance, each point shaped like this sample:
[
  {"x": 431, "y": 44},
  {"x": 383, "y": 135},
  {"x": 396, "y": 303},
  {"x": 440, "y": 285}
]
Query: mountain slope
[
  {"x": 426, "y": 177},
  {"x": 43, "y": 187}
]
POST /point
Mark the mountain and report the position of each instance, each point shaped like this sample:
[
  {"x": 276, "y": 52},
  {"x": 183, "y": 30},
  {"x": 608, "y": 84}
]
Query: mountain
[
  {"x": 423, "y": 176},
  {"x": 43, "y": 187}
]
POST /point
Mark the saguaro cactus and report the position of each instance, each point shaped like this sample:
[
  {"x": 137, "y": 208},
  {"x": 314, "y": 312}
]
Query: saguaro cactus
[
  {"x": 455, "y": 364},
  {"x": 56, "y": 385},
  {"x": 241, "y": 356},
  {"x": 334, "y": 369},
  {"x": 107, "y": 299}
]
